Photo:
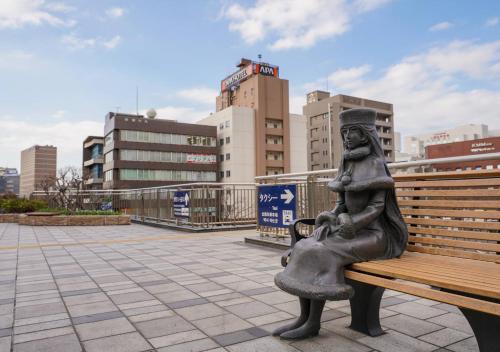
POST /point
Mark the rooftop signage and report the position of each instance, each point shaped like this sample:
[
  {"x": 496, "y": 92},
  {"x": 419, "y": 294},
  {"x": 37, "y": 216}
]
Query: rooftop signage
[
  {"x": 236, "y": 78},
  {"x": 266, "y": 70}
]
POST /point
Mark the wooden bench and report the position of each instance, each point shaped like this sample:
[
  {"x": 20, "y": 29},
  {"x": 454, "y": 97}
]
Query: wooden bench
[{"x": 453, "y": 252}]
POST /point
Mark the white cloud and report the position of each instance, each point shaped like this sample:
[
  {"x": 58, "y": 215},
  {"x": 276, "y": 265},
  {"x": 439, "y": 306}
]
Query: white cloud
[
  {"x": 18, "y": 13},
  {"x": 295, "y": 23},
  {"x": 59, "y": 114},
  {"x": 60, "y": 7},
  {"x": 73, "y": 42},
  {"x": 201, "y": 95},
  {"x": 441, "y": 26},
  {"x": 435, "y": 90},
  {"x": 67, "y": 136},
  {"x": 115, "y": 12},
  {"x": 492, "y": 22},
  {"x": 113, "y": 42},
  {"x": 16, "y": 59}
]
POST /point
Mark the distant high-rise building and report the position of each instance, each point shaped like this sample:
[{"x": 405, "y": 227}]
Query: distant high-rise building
[
  {"x": 38, "y": 163},
  {"x": 324, "y": 140},
  {"x": 9, "y": 181},
  {"x": 415, "y": 144},
  {"x": 93, "y": 160},
  {"x": 256, "y": 85}
]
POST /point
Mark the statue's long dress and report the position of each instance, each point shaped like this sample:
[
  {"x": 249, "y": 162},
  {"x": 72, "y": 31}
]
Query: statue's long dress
[{"x": 316, "y": 267}]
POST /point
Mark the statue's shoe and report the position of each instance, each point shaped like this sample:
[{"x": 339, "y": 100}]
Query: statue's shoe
[
  {"x": 296, "y": 324},
  {"x": 303, "y": 332}
]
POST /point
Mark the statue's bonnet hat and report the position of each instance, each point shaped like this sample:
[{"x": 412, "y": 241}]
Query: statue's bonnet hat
[{"x": 357, "y": 117}]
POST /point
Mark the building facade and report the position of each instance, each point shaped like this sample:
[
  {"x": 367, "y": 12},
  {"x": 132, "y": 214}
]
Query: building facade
[
  {"x": 472, "y": 147},
  {"x": 257, "y": 86},
  {"x": 38, "y": 164},
  {"x": 324, "y": 142},
  {"x": 9, "y": 181},
  {"x": 145, "y": 152},
  {"x": 415, "y": 145},
  {"x": 93, "y": 160},
  {"x": 236, "y": 140}
]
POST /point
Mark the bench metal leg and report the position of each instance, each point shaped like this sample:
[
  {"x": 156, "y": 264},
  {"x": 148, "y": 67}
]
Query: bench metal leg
[
  {"x": 365, "y": 307},
  {"x": 486, "y": 329}
]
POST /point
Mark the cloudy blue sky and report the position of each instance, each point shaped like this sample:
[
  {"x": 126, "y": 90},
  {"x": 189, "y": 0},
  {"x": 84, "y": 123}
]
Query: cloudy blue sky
[{"x": 65, "y": 64}]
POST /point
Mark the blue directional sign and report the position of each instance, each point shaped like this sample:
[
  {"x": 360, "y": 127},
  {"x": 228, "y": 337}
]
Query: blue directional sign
[
  {"x": 277, "y": 207},
  {"x": 181, "y": 204}
]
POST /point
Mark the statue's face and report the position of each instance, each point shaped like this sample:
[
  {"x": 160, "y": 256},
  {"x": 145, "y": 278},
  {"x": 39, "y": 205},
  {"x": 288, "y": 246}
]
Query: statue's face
[{"x": 353, "y": 137}]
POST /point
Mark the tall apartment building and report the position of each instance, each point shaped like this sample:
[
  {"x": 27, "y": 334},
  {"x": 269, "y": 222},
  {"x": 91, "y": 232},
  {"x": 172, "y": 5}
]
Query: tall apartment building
[
  {"x": 257, "y": 86},
  {"x": 9, "y": 181},
  {"x": 93, "y": 160},
  {"x": 415, "y": 145},
  {"x": 147, "y": 152},
  {"x": 236, "y": 139},
  {"x": 37, "y": 164},
  {"x": 324, "y": 147}
]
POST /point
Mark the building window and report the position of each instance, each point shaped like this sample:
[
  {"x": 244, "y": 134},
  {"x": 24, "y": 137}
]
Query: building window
[
  {"x": 108, "y": 139},
  {"x": 166, "y": 157},
  {"x": 221, "y": 126},
  {"x": 221, "y": 174},
  {"x": 108, "y": 157},
  {"x": 108, "y": 175},
  {"x": 228, "y": 173},
  {"x": 228, "y": 123},
  {"x": 228, "y": 156},
  {"x": 221, "y": 157},
  {"x": 228, "y": 140},
  {"x": 221, "y": 141},
  {"x": 166, "y": 138},
  {"x": 167, "y": 175}
]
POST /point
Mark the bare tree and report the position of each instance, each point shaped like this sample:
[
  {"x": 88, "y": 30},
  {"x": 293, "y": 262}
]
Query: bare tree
[{"x": 64, "y": 190}]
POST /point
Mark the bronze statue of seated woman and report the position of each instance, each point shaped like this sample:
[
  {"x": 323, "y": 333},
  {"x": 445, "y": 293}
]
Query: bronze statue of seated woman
[{"x": 366, "y": 224}]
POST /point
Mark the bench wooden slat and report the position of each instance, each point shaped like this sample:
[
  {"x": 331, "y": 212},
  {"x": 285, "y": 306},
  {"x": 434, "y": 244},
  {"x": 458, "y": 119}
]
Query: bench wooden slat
[
  {"x": 475, "y": 235},
  {"x": 449, "y": 193},
  {"x": 453, "y": 223},
  {"x": 454, "y": 253},
  {"x": 492, "y": 247},
  {"x": 478, "y": 214},
  {"x": 465, "y": 174},
  {"x": 450, "y": 183},
  {"x": 450, "y": 298},
  {"x": 457, "y": 203}
]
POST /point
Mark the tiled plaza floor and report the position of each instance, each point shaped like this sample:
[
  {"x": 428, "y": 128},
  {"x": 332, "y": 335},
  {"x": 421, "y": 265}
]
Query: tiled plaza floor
[{"x": 137, "y": 288}]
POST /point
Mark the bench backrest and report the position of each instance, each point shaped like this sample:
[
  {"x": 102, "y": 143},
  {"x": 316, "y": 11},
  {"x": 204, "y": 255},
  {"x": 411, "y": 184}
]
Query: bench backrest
[{"x": 452, "y": 213}]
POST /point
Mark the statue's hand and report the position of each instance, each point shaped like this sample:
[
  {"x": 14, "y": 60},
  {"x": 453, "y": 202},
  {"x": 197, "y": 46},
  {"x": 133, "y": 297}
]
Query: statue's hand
[
  {"x": 321, "y": 232},
  {"x": 325, "y": 217},
  {"x": 346, "y": 229}
]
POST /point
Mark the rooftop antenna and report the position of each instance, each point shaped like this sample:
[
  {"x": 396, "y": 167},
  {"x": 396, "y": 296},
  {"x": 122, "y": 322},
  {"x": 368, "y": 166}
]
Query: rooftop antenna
[
  {"x": 137, "y": 100},
  {"x": 260, "y": 58},
  {"x": 327, "y": 84}
]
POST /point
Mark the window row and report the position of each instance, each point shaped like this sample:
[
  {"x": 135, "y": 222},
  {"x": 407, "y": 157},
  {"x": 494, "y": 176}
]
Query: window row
[
  {"x": 167, "y": 175},
  {"x": 166, "y": 138},
  {"x": 168, "y": 157}
]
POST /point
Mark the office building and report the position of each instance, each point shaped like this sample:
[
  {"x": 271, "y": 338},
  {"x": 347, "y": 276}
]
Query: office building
[
  {"x": 237, "y": 151},
  {"x": 415, "y": 145},
  {"x": 93, "y": 160},
  {"x": 146, "y": 152},
  {"x": 38, "y": 164},
  {"x": 324, "y": 146},
  {"x": 9, "y": 181},
  {"x": 470, "y": 147},
  {"x": 257, "y": 86}
]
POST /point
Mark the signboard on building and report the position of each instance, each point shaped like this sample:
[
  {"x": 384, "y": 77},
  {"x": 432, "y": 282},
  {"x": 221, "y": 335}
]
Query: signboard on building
[
  {"x": 201, "y": 159},
  {"x": 181, "y": 204},
  {"x": 482, "y": 147},
  {"x": 236, "y": 78},
  {"x": 266, "y": 70},
  {"x": 277, "y": 206}
]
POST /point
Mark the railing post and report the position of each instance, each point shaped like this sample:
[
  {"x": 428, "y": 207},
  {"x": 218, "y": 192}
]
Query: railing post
[{"x": 158, "y": 205}]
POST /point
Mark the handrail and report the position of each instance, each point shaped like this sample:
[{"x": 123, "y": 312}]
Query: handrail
[{"x": 398, "y": 165}]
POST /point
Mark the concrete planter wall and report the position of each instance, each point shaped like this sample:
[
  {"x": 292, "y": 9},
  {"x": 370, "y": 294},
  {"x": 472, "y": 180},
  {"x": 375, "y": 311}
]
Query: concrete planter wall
[{"x": 66, "y": 220}]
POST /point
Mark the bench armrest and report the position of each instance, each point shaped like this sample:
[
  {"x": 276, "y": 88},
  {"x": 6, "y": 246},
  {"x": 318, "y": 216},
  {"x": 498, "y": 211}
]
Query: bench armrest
[{"x": 296, "y": 236}]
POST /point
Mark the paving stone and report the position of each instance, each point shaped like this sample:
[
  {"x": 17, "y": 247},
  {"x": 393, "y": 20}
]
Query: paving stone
[
  {"x": 144, "y": 310},
  {"x": 91, "y": 308},
  {"x": 163, "y": 326},
  {"x": 409, "y": 325},
  {"x": 131, "y": 342},
  {"x": 251, "y": 309},
  {"x": 468, "y": 345},
  {"x": 39, "y": 310},
  {"x": 258, "y": 291},
  {"x": 390, "y": 301},
  {"x": 97, "y": 317},
  {"x": 65, "y": 343},
  {"x": 444, "y": 337},
  {"x": 5, "y": 344},
  {"x": 80, "y": 292},
  {"x": 454, "y": 321},
  {"x": 103, "y": 328},
  {"x": 233, "y": 338},
  {"x": 192, "y": 346},
  {"x": 331, "y": 314},
  {"x": 85, "y": 298},
  {"x": 275, "y": 297},
  {"x": 416, "y": 310},
  {"x": 41, "y": 326},
  {"x": 131, "y": 297},
  {"x": 41, "y": 319},
  {"x": 177, "y": 338},
  {"x": 151, "y": 316},
  {"x": 200, "y": 311},
  {"x": 270, "y": 318},
  {"x": 327, "y": 342},
  {"x": 6, "y": 321},
  {"x": 176, "y": 296},
  {"x": 187, "y": 303},
  {"x": 395, "y": 341},
  {"x": 5, "y": 332},
  {"x": 221, "y": 324},
  {"x": 39, "y": 335},
  {"x": 265, "y": 344},
  {"x": 340, "y": 326}
]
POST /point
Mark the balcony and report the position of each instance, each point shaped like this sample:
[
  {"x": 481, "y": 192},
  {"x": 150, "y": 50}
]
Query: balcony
[
  {"x": 92, "y": 181},
  {"x": 89, "y": 162}
]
